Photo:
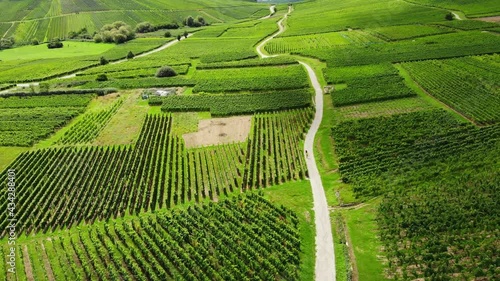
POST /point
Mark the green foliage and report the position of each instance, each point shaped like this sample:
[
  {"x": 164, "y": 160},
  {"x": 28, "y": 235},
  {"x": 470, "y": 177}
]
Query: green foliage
[
  {"x": 400, "y": 32},
  {"x": 25, "y": 120},
  {"x": 101, "y": 77},
  {"x": 232, "y": 104},
  {"x": 381, "y": 153},
  {"x": 55, "y": 44},
  {"x": 195, "y": 243},
  {"x": 452, "y": 81},
  {"x": 173, "y": 174},
  {"x": 130, "y": 55},
  {"x": 103, "y": 61},
  {"x": 251, "y": 78},
  {"x": 438, "y": 46},
  {"x": 448, "y": 228},
  {"x": 371, "y": 89},
  {"x": 88, "y": 128},
  {"x": 165, "y": 71},
  {"x": 449, "y": 16},
  {"x": 248, "y": 63},
  {"x": 6, "y": 43},
  {"x": 117, "y": 32},
  {"x": 469, "y": 24}
]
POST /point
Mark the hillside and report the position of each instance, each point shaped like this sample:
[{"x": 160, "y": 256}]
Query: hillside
[{"x": 315, "y": 140}]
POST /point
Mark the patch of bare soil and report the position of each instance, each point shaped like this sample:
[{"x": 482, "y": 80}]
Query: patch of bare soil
[
  {"x": 490, "y": 19},
  {"x": 219, "y": 131},
  {"x": 27, "y": 264},
  {"x": 46, "y": 264}
]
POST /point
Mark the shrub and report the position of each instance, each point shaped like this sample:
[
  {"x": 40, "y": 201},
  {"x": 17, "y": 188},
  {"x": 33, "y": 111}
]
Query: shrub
[
  {"x": 449, "y": 16},
  {"x": 144, "y": 27},
  {"x": 103, "y": 61},
  {"x": 168, "y": 34},
  {"x": 186, "y": 34},
  {"x": 118, "y": 32},
  {"x": 101, "y": 77},
  {"x": 191, "y": 22},
  {"x": 179, "y": 37},
  {"x": 54, "y": 44},
  {"x": 35, "y": 42},
  {"x": 165, "y": 71},
  {"x": 130, "y": 55}
]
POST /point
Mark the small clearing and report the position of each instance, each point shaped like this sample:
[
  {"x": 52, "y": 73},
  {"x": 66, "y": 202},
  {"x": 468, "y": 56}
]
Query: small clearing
[{"x": 219, "y": 131}]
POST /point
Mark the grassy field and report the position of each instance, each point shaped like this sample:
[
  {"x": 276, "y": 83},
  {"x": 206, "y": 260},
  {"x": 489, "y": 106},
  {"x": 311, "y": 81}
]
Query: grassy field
[{"x": 70, "y": 49}]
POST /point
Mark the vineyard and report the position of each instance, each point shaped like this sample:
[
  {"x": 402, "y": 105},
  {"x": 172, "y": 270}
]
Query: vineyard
[
  {"x": 398, "y": 145},
  {"x": 245, "y": 238},
  {"x": 443, "y": 230},
  {"x": 25, "y": 120},
  {"x": 104, "y": 182},
  {"x": 89, "y": 127},
  {"x": 233, "y": 104},
  {"x": 430, "y": 47},
  {"x": 402, "y": 32},
  {"x": 468, "y": 85}
]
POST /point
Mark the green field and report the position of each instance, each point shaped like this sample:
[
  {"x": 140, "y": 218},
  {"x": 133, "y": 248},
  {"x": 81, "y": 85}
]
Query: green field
[
  {"x": 121, "y": 173},
  {"x": 70, "y": 49}
]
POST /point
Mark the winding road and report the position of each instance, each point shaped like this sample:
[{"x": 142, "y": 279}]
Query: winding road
[{"x": 325, "y": 256}]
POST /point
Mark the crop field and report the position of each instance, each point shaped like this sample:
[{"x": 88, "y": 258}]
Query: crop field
[
  {"x": 195, "y": 243},
  {"x": 402, "y": 32},
  {"x": 154, "y": 173},
  {"x": 231, "y": 104},
  {"x": 388, "y": 146},
  {"x": 433, "y": 246},
  {"x": 323, "y": 16},
  {"x": 225, "y": 176},
  {"x": 431, "y": 47},
  {"x": 24, "y": 120},
  {"x": 469, "y": 85}
]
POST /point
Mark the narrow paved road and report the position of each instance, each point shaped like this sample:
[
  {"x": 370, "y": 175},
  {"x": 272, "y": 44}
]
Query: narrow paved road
[{"x": 325, "y": 256}]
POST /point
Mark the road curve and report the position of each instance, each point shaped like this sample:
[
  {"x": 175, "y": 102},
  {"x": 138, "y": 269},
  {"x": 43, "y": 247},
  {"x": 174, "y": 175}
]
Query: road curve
[{"x": 325, "y": 256}]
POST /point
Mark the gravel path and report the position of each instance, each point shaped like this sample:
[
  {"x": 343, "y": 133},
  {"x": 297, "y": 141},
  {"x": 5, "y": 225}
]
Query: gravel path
[{"x": 325, "y": 255}]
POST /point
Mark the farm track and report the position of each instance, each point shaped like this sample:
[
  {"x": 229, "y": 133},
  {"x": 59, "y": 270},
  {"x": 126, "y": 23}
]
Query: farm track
[{"x": 325, "y": 255}]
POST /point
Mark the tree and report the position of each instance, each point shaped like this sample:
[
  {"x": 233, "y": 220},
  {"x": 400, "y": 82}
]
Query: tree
[
  {"x": 6, "y": 43},
  {"x": 118, "y": 33},
  {"x": 201, "y": 20},
  {"x": 130, "y": 55},
  {"x": 144, "y": 27},
  {"x": 101, "y": 77},
  {"x": 189, "y": 21},
  {"x": 186, "y": 34},
  {"x": 35, "y": 42},
  {"x": 449, "y": 16},
  {"x": 165, "y": 71},
  {"x": 55, "y": 44},
  {"x": 103, "y": 61},
  {"x": 168, "y": 34},
  {"x": 179, "y": 37}
]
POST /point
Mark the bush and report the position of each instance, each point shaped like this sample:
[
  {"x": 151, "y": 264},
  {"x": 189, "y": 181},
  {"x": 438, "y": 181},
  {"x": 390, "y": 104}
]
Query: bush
[
  {"x": 144, "y": 27},
  {"x": 6, "y": 43},
  {"x": 101, "y": 77},
  {"x": 54, "y": 44},
  {"x": 179, "y": 37},
  {"x": 449, "y": 16},
  {"x": 103, "y": 61},
  {"x": 35, "y": 42},
  {"x": 186, "y": 34},
  {"x": 191, "y": 22},
  {"x": 166, "y": 71},
  {"x": 118, "y": 32},
  {"x": 168, "y": 34},
  {"x": 130, "y": 55}
]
